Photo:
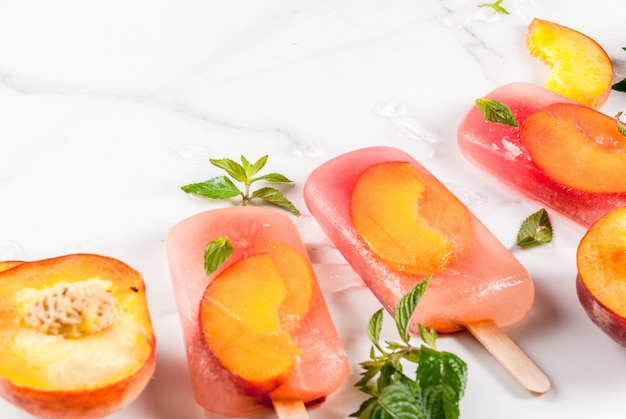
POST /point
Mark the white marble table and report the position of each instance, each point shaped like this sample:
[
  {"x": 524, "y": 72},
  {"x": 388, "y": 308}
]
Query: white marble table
[{"x": 107, "y": 108}]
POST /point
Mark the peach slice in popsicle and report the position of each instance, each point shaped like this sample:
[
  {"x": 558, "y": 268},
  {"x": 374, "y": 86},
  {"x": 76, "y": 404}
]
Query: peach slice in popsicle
[
  {"x": 397, "y": 225},
  {"x": 564, "y": 155},
  {"x": 257, "y": 330}
]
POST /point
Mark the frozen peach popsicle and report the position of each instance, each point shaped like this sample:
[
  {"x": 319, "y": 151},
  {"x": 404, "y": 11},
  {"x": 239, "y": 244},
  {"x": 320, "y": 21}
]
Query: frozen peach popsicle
[
  {"x": 397, "y": 225},
  {"x": 257, "y": 330},
  {"x": 567, "y": 156}
]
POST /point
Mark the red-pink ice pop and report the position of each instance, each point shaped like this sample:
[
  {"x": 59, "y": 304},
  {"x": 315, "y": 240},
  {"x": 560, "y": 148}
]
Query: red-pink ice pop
[
  {"x": 256, "y": 330},
  {"x": 566, "y": 156}
]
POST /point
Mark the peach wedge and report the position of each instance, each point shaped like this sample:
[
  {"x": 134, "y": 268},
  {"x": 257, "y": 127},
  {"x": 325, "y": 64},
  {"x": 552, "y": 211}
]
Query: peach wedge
[
  {"x": 580, "y": 68},
  {"x": 601, "y": 265},
  {"x": 76, "y": 339},
  {"x": 256, "y": 303}
]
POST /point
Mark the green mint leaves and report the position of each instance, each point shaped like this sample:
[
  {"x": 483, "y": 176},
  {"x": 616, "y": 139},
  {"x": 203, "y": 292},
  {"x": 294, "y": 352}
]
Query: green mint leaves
[
  {"x": 494, "y": 111},
  {"x": 223, "y": 187},
  {"x": 216, "y": 252},
  {"x": 440, "y": 378},
  {"x": 535, "y": 230},
  {"x": 496, "y": 5}
]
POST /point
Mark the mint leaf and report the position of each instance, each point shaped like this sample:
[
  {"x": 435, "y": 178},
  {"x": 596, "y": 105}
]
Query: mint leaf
[
  {"x": 219, "y": 187},
  {"x": 275, "y": 197},
  {"x": 216, "y": 252},
  {"x": 272, "y": 178},
  {"x": 535, "y": 230},
  {"x": 256, "y": 167},
  {"x": 406, "y": 307},
  {"x": 374, "y": 326},
  {"x": 497, "y": 112},
  {"x": 234, "y": 169},
  {"x": 397, "y": 401},
  {"x": 441, "y": 377},
  {"x": 495, "y": 6}
]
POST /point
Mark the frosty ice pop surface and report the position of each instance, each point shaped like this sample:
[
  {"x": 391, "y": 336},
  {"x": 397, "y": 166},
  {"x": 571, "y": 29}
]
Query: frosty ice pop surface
[
  {"x": 564, "y": 155},
  {"x": 396, "y": 225},
  {"x": 257, "y": 329}
]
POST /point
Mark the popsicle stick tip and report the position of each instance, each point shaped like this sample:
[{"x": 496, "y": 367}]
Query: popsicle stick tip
[
  {"x": 510, "y": 356},
  {"x": 290, "y": 409}
]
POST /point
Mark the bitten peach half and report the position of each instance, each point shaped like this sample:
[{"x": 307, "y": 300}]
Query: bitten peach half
[
  {"x": 76, "y": 339},
  {"x": 579, "y": 67},
  {"x": 601, "y": 261}
]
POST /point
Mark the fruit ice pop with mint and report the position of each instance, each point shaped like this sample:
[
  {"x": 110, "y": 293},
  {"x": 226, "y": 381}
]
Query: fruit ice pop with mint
[
  {"x": 256, "y": 327},
  {"x": 564, "y": 155}
]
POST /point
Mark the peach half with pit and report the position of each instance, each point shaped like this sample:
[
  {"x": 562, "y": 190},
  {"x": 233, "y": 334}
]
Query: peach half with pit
[
  {"x": 577, "y": 146},
  {"x": 600, "y": 283},
  {"x": 414, "y": 226},
  {"x": 76, "y": 339},
  {"x": 249, "y": 311}
]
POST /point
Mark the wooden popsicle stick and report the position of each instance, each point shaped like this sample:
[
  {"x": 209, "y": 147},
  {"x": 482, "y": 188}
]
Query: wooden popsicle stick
[
  {"x": 510, "y": 356},
  {"x": 290, "y": 409}
]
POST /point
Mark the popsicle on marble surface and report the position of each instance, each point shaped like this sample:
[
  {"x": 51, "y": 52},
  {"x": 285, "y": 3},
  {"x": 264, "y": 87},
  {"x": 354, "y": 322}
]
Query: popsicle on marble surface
[
  {"x": 563, "y": 155},
  {"x": 396, "y": 225},
  {"x": 257, "y": 329}
]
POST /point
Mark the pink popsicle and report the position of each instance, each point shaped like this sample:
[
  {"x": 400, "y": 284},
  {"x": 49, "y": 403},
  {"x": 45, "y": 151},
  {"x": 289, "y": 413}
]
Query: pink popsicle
[
  {"x": 322, "y": 367},
  {"x": 483, "y": 282},
  {"x": 499, "y": 150}
]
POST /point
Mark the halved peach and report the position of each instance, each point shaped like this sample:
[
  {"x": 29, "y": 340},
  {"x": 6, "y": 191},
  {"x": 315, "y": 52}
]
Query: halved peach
[
  {"x": 76, "y": 339},
  {"x": 578, "y": 146},
  {"x": 248, "y": 312},
  {"x": 601, "y": 261},
  {"x": 415, "y": 228},
  {"x": 579, "y": 67}
]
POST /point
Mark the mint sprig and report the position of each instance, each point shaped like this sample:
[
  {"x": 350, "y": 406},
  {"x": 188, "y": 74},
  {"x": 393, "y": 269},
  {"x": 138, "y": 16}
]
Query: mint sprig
[
  {"x": 496, "y": 5},
  {"x": 497, "y": 112},
  {"x": 223, "y": 187},
  {"x": 439, "y": 381},
  {"x": 535, "y": 230}
]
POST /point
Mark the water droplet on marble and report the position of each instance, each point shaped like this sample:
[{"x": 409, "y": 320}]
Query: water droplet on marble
[
  {"x": 472, "y": 199},
  {"x": 195, "y": 153}
]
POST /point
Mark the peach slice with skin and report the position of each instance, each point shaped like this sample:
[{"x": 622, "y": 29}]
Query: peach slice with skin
[
  {"x": 405, "y": 222},
  {"x": 76, "y": 339},
  {"x": 578, "y": 146},
  {"x": 580, "y": 68},
  {"x": 249, "y": 310},
  {"x": 601, "y": 262}
]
